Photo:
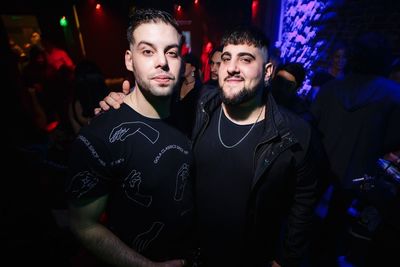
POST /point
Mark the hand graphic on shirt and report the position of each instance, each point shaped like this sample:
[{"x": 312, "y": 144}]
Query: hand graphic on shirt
[
  {"x": 181, "y": 180},
  {"x": 126, "y": 129},
  {"x": 81, "y": 183},
  {"x": 131, "y": 186},
  {"x": 143, "y": 240}
]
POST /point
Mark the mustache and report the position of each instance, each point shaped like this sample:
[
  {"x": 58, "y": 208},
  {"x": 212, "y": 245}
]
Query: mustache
[{"x": 233, "y": 76}]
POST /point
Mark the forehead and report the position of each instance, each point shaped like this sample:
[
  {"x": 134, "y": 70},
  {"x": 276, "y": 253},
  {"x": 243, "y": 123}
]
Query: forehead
[
  {"x": 158, "y": 33},
  {"x": 288, "y": 76},
  {"x": 258, "y": 53},
  {"x": 340, "y": 52}
]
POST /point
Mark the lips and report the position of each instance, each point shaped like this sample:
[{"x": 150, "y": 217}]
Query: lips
[{"x": 162, "y": 78}]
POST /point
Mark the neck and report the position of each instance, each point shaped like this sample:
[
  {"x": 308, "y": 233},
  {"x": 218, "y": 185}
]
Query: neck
[
  {"x": 189, "y": 80},
  {"x": 187, "y": 86},
  {"x": 148, "y": 105},
  {"x": 245, "y": 113}
]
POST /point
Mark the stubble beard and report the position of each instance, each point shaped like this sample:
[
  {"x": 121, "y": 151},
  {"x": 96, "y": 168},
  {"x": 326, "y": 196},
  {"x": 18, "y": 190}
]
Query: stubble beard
[{"x": 155, "y": 91}]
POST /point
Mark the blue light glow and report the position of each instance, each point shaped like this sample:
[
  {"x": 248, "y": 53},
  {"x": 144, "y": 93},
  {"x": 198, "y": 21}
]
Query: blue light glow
[{"x": 300, "y": 27}]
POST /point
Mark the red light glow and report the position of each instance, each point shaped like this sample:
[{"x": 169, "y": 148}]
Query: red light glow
[
  {"x": 254, "y": 9},
  {"x": 52, "y": 126},
  {"x": 98, "y": 6}
]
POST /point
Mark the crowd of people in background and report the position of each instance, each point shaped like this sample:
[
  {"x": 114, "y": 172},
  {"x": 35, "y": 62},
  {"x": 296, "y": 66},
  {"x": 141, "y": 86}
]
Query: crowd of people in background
[
  {"x": 254, "y": 160},
  {"x": 54, "y": 97}
]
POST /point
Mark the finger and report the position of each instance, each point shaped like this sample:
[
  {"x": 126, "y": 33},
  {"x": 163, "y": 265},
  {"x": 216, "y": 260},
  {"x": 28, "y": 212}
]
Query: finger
[
  {"x": 114, "y": 97},
  {"x": 126, "y": 87},
  {"x": 97, "y": 111},
  {"x": 104, "y": 105},
  {"x": 121, "y": 95},
  {"x": 112, "y": 100}
]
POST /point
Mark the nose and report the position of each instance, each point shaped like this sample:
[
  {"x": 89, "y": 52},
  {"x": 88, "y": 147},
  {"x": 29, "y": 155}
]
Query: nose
[
  {"x": 232, "y": 67},
  {"x": 161, "y": 61}
]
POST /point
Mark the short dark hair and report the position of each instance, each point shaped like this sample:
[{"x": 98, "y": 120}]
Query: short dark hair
[
  {"x": 297, "y": 70},
  {"x": 148, "y": 15},
  {"x": 192, "y": 59},
  {"x": 339, "y": 45},
  {"x": 249, "y": 35},
  {"x": 218, "y": 48}
]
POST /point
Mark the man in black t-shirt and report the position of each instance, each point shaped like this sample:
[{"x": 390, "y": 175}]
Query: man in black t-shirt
[{"x": 133, "y": 165}]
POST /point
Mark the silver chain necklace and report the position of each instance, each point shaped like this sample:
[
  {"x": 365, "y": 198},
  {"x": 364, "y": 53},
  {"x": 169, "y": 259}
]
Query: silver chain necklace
[{"x": 248, "y": 132}]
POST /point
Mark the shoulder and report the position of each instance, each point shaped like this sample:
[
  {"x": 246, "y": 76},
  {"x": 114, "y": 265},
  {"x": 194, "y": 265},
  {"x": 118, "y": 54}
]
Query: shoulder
[
  {"x": 297, "y": 125},
  {"x": 208, "y": 92},
  {"x": 390, "y": 88},
  {"x": 320, "y": 77},
  {"x": 293, "y": 119},
  {"x": 328, "y": 88},
  {"x": 101, "y": 125}
]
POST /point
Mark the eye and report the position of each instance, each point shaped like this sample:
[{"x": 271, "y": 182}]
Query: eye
[
  {"x": 225, "y": 59},
  {"x": 147, "y": 52},
  {"x": 246, "y": 59},
  {"x": 173, "y": 54}
]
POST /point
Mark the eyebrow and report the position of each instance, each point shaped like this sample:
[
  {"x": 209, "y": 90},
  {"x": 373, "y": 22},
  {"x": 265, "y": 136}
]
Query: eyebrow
[
  {"x": 152, "y": 45},
  {"x": 241, "y": 54},
  {"x": 145, "y": 43},
  {"x": 171, "y": 46},
  {"x": 225, "y": 53}
]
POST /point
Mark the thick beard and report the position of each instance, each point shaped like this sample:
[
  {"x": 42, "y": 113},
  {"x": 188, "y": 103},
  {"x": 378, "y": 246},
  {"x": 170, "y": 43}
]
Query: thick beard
[{"x": 243, "y": 96}]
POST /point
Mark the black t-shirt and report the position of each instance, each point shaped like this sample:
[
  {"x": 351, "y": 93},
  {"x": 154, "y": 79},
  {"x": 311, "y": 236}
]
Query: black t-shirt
[
  {"x": 145, "y": 166},
  {"x": 223, "y": 182}
]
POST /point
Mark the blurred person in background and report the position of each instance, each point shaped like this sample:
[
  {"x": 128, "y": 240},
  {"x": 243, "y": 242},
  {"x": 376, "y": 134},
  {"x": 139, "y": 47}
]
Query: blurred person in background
[
  {"x": 358, "y": 117},
  {"x": 184, "y": 100},
  {"x": 336, "y": 69},
  {"x": 88, "y": 90},
  {"x": 214, "y": 62}
]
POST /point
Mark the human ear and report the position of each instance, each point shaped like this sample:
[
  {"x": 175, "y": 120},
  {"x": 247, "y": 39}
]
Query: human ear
[
  {"x": 128, "y": 60},
  {"x": 269, "y": 68}
]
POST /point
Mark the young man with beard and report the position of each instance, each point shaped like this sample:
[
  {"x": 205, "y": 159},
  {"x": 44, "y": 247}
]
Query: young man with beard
[
  {"x": 133, "y": 164},
  {"x": 254, "y": 164},
  {"x": 256, "y": 186}
]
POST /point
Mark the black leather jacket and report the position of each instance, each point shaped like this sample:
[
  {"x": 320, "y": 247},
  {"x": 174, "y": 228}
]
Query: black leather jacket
[{"x": 284, "y": 188}]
